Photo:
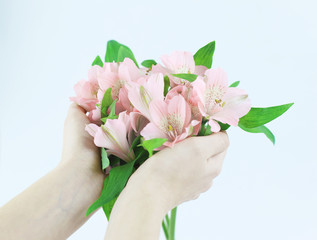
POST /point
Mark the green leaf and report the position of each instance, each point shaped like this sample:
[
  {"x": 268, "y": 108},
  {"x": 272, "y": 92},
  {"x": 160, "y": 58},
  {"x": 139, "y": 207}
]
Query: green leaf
[
  {"x": 125, "y": 52},
  {"x": 97, "y": 61},
  {"x": 118, "y": 178},
  {"x": 204, "y": 55},
  {"x": 107, "y": 208},
  {"x": 117, "y": 52},
  {"x": 148, "y": 63},
  {"x": 207, "y": 130},
  {"x": 224, "y": 126},
  {"x": 167, "y": 85},
  {"x": 152, "y": 144},
  {"x": 187, "y": 76},
  {"x": 260, "y": 116},
  {"x": 112, "y": 114},
  {"x": 260, "y": 129},
  {"x": 112, "y": 51},
  {"x": 106, "y": 102},
  {"x": 135, "y": 142},
  {"x": 104, "y": 159},
  {"x": 235, "y": 84}
]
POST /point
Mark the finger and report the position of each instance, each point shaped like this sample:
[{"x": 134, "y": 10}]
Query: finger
[
  {"x": 214, "y": 164},
  {"x": 75, "y": 113},
  {"x": 74, "y": 108},
  {"x": 208, "y": 146}
]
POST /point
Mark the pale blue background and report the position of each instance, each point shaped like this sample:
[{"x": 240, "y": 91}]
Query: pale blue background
[{"x": 264, "y": 192}]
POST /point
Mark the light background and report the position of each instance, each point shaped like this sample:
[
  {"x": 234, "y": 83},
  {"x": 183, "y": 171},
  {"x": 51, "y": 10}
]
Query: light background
[{"x": 264, "y": 192}]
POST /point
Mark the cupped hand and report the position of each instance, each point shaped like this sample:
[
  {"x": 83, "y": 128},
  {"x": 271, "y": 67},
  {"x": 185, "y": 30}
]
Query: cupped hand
[
  {"x": 179, "y": 174},
  {"x": 79, "y": 150}
]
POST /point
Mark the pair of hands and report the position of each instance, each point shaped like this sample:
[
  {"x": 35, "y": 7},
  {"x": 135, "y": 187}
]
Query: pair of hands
[
  {"x": 173, "y": 175},
  {"x": 54, "y": 207}
]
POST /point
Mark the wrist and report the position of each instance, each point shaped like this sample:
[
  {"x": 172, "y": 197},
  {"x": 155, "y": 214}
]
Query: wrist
[
  {"x": 83, "y": 177},
  {"x": 148, "y": 186}
]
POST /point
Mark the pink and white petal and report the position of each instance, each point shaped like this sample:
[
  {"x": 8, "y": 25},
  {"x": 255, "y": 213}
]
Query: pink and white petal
[
  {"x": 234, "y": 94},
  {"x": 138, "y": 121},
  {"x": 128, "y": 71},
  {"x": 189, "y": 61},
  {"x": 121, "y": 155},
  {"x": 93, "y": 73},
  {"x": 95, "y": 116},
  {"x": 118, "y": 108},
  {"x": 158, "y": 111},
  {"x": 116, "y": 129},
  {"x": 199, "y": 88},
  {"x": 125, "y": 118},
  {"x": 217, "y": 77},
  {"x": 101, "y": 140},
  {"x": 158, "y": 68},
  {"x": 169, "y": 144},
  {"x": 214, "y": 126},
  {"x": 200, "y": 70},
  {"x": 169, "y": 62},
  {"x": 155, "y": 86},
  {"x": 178, "y": 106},
  {"x": 124, "y": 99},
  {"x": 151, "y": 131},
  {"x": 139, "y": 99},
  {"x": 190, "y": 130},
  {"x": 92, "y": 129},
  {"x": 226, "y": 116},
  {"x": 107, "y": 79},
  {"x": 202, "y": 109}
]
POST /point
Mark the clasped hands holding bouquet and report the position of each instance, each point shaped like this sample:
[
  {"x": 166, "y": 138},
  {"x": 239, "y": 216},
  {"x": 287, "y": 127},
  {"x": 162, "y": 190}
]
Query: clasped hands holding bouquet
[
  {"x": 54, "y": 207},
  {"x": 167, "y": 179}
]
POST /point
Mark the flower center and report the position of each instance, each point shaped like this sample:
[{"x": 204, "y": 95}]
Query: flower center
[
  {"x": 213, "y": 98},
  {"x": 183, "y": 69},
  {"x": 116, "y": 87},
  {"x": 172, "y": 125}
]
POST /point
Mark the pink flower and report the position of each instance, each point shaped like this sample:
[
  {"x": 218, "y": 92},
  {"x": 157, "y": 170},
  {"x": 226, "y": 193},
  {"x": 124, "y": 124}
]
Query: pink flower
[
  {"x": 179, "y": 62},
  {"x": 138, "y": 121},
  {"x": 171, "y": 120},
  {"x": 142, "y": 93},
  {"x": 115, "y": 136},
  {"x": 218, "y": 102},
  {"x": 94, "y": 116},
  {"x": 86, "y": 91},
  {"x": 116, "y": 76},
  {"x": 191, "y": 98}
]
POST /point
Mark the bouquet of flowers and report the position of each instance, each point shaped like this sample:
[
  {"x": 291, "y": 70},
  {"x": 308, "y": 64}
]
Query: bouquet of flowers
[{"x": 137, "y": 111}]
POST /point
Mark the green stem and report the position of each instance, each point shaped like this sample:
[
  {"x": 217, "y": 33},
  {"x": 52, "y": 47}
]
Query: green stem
[
  {"x": 165, "y": 229},
  {"x": 172, "y": 224},
  {"x": 167, "y": 219}
]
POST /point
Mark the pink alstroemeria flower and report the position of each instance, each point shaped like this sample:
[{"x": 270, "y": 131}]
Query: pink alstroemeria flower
[
  {"x": 171, "y": 120},
  {"x": 191, "y": 98},
  {"x": 86, "y": 91},
  {"x": 218, "y": 101},
  {"x": 142, "y": 93},
  {"x": 116, "y": 76},
  {"x": 179, "y": 62},
  {"x": 115, "y": 136}
]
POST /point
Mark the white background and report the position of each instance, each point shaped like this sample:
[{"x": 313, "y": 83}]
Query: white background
[{"x": 264, "y": 191}]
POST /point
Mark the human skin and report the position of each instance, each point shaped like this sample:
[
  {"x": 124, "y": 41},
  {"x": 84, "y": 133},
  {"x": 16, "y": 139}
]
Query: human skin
[
  {"x": 54, "y": 207},
  {"x": 169, "y": 178}
]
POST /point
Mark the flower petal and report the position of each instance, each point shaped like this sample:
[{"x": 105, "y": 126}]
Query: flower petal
[{"x": 152, "y": 131}]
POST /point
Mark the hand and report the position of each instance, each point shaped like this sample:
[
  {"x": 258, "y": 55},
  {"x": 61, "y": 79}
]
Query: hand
[
  {"x": 79, "y": 149},
  {"x": 179, "y": 174},
  {"x": 170, "y": 177},
  {"x": 54, "y": 207}
]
